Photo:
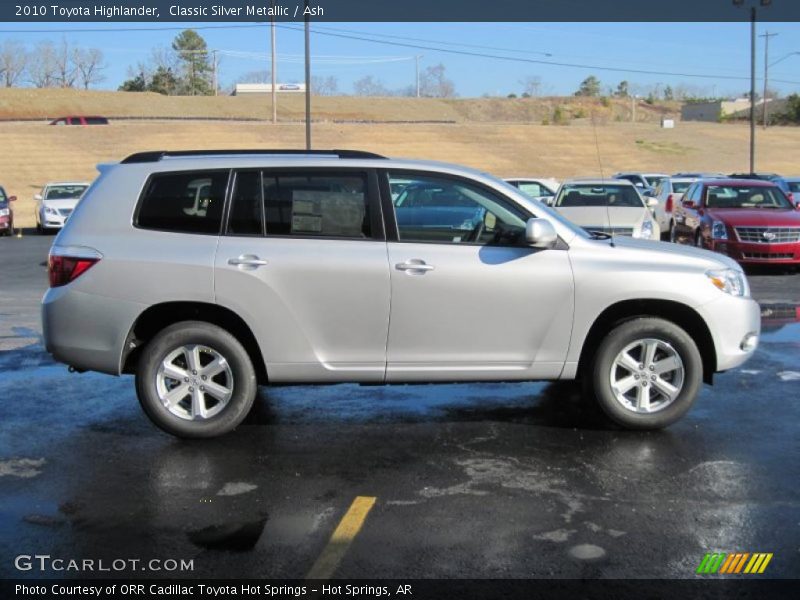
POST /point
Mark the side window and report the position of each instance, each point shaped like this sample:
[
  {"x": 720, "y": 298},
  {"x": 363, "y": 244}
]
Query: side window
[
  {"x": 453, "y": 211},
  {"x": 185, "y": 202},
  {"x": 247, "y": 205},
  {"x": 533, "y": 189},
  {"x": 324, "y": 205}
]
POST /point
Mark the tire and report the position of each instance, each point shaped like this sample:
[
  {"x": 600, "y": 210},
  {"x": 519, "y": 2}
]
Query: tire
[
  {"x": 184, "y": 418},
  {"x": 698, "y": 239},
  {"x": 633, "y": 337},
  {"x": 673, "y": 234}
]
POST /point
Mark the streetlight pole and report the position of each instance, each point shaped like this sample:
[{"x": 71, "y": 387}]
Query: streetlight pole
[
  {"x": 272, "y": 70},
  {"x": 739, "y": 3},
  {"x": 416, "y": 70},
  {"x": 766, "y": 37},
  {"x": 308, "y": 77}
]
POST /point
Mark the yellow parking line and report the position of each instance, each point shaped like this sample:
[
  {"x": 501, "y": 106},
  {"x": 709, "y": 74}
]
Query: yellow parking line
[{"x": 342, "y": 537}]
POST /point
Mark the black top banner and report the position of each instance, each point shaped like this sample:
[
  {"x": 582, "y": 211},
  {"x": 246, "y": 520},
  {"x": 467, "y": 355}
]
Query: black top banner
[{"x": 400, "y": 10}]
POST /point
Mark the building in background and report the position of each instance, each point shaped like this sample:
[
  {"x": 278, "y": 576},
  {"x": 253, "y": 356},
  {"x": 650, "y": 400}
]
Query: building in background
[
  {"x": 261, "y": 89},
  {"x": 719, "y": 110}
]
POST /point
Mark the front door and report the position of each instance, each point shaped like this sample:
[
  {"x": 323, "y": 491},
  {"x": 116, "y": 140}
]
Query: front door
[{"x": 470, "y": 301}]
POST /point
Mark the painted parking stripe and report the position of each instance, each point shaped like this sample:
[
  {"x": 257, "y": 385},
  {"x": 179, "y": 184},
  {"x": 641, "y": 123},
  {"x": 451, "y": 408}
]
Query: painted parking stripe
[{"x": 342, "y": 537}]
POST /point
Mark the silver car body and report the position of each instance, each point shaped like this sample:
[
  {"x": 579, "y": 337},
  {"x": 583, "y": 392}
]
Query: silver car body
[
  {"x": 664, "y": 190},
  {"x": 333, "y": 310}
]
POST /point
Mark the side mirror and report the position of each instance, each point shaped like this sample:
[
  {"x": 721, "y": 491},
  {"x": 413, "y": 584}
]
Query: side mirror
[
  {"x": 797, "y": 204},
  {"x": 37, "y": 197},
  {"x": 652, "y": 202},
  {"x": 540, "y": 233},
  {"x": 12, "y": 198}
]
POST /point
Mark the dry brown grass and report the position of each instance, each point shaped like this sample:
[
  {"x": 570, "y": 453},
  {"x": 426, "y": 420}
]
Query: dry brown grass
[{"x": 34, "y": 153}]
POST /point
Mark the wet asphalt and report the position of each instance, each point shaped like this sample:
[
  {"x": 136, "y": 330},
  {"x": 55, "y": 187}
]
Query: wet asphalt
[{"x": 470, "y": 481}]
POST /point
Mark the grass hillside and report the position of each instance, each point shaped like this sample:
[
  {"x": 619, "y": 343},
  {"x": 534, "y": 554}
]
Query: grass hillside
[
  {"x": 25, "y": 103},
  {"x": 501, "y": 136}
]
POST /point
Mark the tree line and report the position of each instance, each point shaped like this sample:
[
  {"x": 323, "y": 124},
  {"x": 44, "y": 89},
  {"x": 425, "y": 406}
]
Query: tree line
[{"x": 50, "y": 65}]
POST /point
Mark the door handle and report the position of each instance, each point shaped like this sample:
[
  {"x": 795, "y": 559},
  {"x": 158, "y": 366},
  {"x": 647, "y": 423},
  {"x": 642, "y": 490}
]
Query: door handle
[
  {"x": 247, "y": 260},
  {"x": 414, "y": 265}
]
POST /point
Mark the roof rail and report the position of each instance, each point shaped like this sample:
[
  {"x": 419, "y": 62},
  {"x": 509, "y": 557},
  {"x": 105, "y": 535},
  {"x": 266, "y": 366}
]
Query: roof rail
[{"x": 157, "y": 155}]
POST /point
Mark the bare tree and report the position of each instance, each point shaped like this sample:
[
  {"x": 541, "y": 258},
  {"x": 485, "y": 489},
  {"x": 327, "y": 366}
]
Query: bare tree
[
  {"x": 531, "y": 85},
  {"x": 324, "y": 86},
  {"x": 66, "y": 72},
  {"x": 370, "y": 86},
  {"x": 434, "y": 84},
  {"x": 89, "y": 65},
  {"x": 260, "y": 76},
  {"x": 43, "y": 67},
  {"x": 13, "y": 60}
]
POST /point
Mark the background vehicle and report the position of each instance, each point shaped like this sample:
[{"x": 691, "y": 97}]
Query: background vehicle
[
  {"x": 6, "y": 213},
  {"x": 80, "y": 120},
  {"x": 646, "y": 182},
  {"x": 751, "y": 221},
  {"x": 541, "y": 189},
  {"x": 668, "y": 192},
  {"x": 793, "y": 183},
  {"x": 607, "y": 205},
  {"x": 55, "y": 203},
  {"x": 698, "y": 175},
  {"x": 284, "y": 278}
]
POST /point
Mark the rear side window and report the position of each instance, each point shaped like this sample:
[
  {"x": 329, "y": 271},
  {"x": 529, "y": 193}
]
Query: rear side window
[
  {"x": 183, "y": 202},
  {"x": 96, "y": 121},
  {"x": 324, "y": 205}
]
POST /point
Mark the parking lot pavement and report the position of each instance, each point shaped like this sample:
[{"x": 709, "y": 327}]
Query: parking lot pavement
[{"x": 484, "y": 480}]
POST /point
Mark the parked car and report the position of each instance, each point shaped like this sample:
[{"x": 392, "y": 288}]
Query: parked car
[
  {"x": 699, "y": 175},
  {"x": 538, "y": 188},
  {"x": 752, "y": 221},
  {"x": 646, "y": 182},
  {"x": 669, "y": 191},
  {"x": 6, "y": 213},
  {"x": 793, "y": 183},
  {"x": 55, "y": 203},
  {"x": 285, "y": 279},
  {"x": 611, "y": 206},
  {"x": 80, "y": 120}
]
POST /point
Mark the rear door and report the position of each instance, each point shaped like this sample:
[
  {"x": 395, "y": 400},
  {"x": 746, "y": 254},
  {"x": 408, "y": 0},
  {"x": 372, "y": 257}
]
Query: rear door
[
  {"x": 303, "y": 261},
  {"x": 470, "y": 301}
]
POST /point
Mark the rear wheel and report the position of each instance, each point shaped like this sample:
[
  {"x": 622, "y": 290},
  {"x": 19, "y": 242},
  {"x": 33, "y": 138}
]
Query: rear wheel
[
  {"x": 647, "y": 373},
  {"x": 698, "y": 239},
  {"x": 195, "y": 380}
]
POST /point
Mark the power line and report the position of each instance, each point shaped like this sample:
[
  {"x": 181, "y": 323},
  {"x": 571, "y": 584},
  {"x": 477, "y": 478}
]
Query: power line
[{"x": 532, "y": 60}]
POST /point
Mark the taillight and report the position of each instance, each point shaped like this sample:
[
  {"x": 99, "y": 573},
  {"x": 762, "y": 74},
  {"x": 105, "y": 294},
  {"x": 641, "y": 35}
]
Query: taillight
[
  {"x": 62, "y": 269},
  {"x": 668, "y": 204}
]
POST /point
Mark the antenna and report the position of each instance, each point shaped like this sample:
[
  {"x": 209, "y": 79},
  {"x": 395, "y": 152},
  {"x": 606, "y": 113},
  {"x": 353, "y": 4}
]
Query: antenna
[{"x": 602, "y": 175}]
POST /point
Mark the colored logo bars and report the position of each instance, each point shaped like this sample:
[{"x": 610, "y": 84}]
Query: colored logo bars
[{"x": 735, "y": 563}]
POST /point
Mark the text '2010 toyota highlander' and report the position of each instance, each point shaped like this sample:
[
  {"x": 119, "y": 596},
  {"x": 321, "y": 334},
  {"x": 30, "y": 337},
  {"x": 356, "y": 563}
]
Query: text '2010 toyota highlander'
[{"x": 208, "y": 273}]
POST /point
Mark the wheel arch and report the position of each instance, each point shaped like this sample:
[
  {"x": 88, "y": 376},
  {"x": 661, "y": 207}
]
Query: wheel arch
[
  {"x": 681, "y": 315},
  {"x": 157, "y": 317}
]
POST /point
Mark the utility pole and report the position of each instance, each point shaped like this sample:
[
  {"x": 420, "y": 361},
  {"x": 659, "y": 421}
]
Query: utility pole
[
  {"x": 766, "y": 37},
  {"x": 272, "y": 45},
  {"x": 214, "y": 55},
  {"x": 308, "y": 77},
  {"x": 416, "y": 70},
  {"x": 633, "y": 109}
]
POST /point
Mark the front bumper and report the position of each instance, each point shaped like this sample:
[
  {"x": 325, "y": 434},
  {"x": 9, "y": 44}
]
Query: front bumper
[
  {"x": 732, "y": 321},
  {"x": 757, "y": 253}
]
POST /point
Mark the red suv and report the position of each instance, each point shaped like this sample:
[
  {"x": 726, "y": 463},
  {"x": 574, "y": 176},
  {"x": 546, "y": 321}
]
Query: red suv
[{"x": 749, "y": 220}]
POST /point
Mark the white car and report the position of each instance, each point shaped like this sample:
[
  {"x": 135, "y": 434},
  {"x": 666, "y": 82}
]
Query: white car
[
  {"x": 646, "y": 182},
  {"x": 55, "y": 203},
  {"x": 612, "y": 206},
  {"x": 668, "y": 193},
  {"x": 542, "y": 189}
]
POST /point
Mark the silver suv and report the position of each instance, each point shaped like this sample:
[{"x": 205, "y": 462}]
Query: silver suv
[{"x": 209, "y": 273}]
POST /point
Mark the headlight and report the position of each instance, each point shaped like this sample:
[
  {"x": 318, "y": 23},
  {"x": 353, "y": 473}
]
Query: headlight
[
  {"x": 718, "y": 231},
  {"x": 50, "y": 210},
  {"x": 4, "y": 212},
  {"x": 730, "y": 281},
  {"x": 646, "y": 231}
]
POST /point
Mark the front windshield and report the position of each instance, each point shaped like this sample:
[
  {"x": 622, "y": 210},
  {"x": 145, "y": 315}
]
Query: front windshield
[
  {"x": 65, "y": 192},
  {"x": 728, "y": 196},
  {"x": 589, "y": 194}
]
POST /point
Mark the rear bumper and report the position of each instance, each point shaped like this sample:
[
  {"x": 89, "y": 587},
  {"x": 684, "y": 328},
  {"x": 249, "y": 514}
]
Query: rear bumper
[
  {"x": 85, "y": 330},
  {"x": 754, "y": 253},
  {"x": 731, "y": 320}
]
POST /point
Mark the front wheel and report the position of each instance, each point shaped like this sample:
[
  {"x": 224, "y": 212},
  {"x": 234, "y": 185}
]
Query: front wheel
[
  {"x": 195, "y": 380},
  {"x": 647, "y": 373}
]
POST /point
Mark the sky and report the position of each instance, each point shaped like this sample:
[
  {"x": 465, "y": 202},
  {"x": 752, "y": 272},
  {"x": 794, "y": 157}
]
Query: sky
[{"x": 714, "y": 52}]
